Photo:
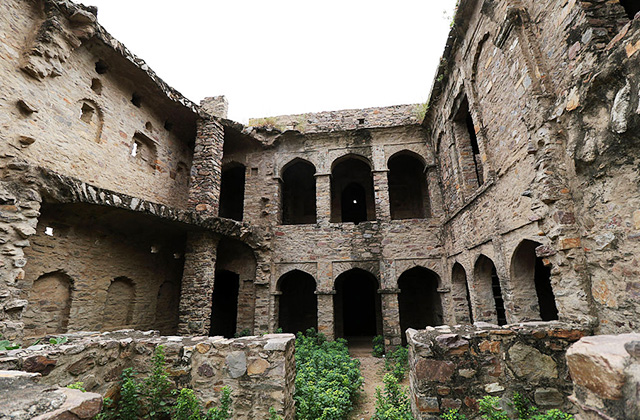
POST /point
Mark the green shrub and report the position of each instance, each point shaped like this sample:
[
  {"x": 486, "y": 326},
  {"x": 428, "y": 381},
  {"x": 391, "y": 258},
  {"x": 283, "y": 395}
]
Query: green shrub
[
  {"x": 392, "y": 403},
  {"x": 187, "y": 406},
  {"x": 273, "y": 414},
  {"x": 327, "y": 379},
  {"x": 378, "y": 346},
  {"x": 453, "y": 414},
  {"x": 157, "y": 387},
  {"x": 397, "y": 363},
  {"x": 223, "y": 412},
  {"x": 522, "y": 406},
  {"x": 77, "y": 385},
  {"x": 244, "y": 333},
  {"x": 553, "y": 415}
]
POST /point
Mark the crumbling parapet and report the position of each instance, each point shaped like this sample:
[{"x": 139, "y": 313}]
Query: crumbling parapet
[
  {"x": 453, "y": 367},
  {"x": 259, "y": 370}
]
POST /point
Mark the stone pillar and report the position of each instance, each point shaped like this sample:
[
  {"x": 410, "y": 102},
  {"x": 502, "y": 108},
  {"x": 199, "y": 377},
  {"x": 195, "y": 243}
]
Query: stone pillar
[
  {"x": 381, "y": 194},
  {"x": 435, "y": 191},
  {"x": 325, "y": 313},
  {"x": 390, "y": 319},
  {"x": 197, "y": 283},
  {"x": 218, "y": 106},
  {"x": 323, "y": 198},
  {"x": 204, "y": 185}
]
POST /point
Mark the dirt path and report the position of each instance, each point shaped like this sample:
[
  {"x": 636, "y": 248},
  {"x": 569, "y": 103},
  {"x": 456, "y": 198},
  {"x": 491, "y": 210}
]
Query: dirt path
[{"x": 372, "y": 369}]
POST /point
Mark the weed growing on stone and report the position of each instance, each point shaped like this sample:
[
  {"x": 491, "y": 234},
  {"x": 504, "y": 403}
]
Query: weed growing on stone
[
  {"x": 392, "y": 403},
  {"x": 327, "y": 379},
  {"x": 77, "y": 385}
]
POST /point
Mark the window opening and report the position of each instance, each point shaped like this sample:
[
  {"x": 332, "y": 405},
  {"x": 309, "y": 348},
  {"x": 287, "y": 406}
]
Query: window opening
[{"x": 232, "y": 193}]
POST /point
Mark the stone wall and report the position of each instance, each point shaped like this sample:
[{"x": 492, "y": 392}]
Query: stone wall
[
  {"x": 452, "y": 367},
  {"x": 259, "y": 370}
]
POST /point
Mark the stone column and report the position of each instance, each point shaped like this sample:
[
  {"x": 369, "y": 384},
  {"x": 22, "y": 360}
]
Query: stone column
[
  {"x": 435, "y": 192},
  {"x": 325, "y": 313},
  {"x": 381, "y": 194},
  {"x": 197, "y": 283},
  {"x": 390, "y": 319},
  {"x": 204, "y": 185},
  {"x": 323, "y": 198}
]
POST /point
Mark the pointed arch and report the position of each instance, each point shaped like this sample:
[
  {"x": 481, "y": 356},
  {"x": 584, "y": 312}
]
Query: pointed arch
[
  {"x": 488, "y": 291},
  {"x": 297, "y": 302},
  {"x": 352, "y": 198},
  {"x": 419, "y": 301},
  {"x": 298, "y": 192},
  {"x": 408, "y": 193},
  {"x": 357, "y": 304},
  {"x": 460, "y": 295}
]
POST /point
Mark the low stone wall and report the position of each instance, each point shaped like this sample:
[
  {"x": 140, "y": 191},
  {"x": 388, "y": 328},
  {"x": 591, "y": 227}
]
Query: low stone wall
[
  {"x": 259, "y": 370},
  {"x": 453, "y": 367},
  {"x": 606, "y": 374}
]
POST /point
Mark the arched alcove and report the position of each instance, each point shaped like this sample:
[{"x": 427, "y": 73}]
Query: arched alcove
[
  {"x": 118, "y": 309},
  {"x": 419, "y": 301},
  {"x": 352, "y": 197},
  {"x": 49, "y": 305},
  {"x": 167, "y": 303},
  {"x": 298, "y": 303},
  {"x": 460, "y": 295},
  {"x": 408, "y": 195},
  {"x": 232, "y": 192},
  {"x": 489, "y": 292},
  {"x": 357, "y": 305},
  {"x": 224, "y": 304},
  {"x": 533, "y": 296},
  {"x": 298, "y": 193}
]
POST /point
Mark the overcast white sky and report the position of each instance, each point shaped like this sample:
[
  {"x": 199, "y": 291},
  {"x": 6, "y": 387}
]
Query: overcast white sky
[{"x": 275, "y": 57}]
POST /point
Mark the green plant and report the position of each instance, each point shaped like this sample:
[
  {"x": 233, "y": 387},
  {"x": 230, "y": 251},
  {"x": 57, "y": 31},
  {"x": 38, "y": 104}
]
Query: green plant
[
  {"x": 327, "y": 379},
  {"x": 58, "y": 340},
  {"x": 244, "y": 333},
  {"x": 8, "y": 345},
  {"x": 129, "y": 404},
  {"x": 187, "y": 406},
  {"x": 378, "y": 346},
  {"x": 453, "y": 414},
  {"x": 77, "y": 385},
  {"x": 392, "y": 403},
  {"x": 522, "y": 406},
  {"x": 397, "y": 363},
  {"x": 421, "y": 111},
  {"x": 109, "y": 410},
  {"x": 279, "y": 330},
  {"x": 553, "y": 415},
  {"x": 224, "y": 412},
  {"x": 273, "y": 414},
  {"x": 157, "y": 387}
]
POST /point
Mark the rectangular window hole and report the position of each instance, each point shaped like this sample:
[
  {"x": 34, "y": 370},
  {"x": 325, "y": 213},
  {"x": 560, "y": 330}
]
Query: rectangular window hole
[
  {"x": 136, "y": 99},
  {"x": 48, "y": 231}
]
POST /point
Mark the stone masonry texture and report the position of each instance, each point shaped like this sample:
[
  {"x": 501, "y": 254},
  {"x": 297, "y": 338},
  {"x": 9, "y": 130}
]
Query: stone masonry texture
[{"x": 510, "y": 197}]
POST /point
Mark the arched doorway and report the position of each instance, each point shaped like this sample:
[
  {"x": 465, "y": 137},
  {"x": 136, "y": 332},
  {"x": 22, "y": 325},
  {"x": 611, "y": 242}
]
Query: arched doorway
[
  {"x": 487, "y": 286},
  {"x": 224, "y": 304},
  {"x": 408, "y": 196},
  {"x": 419, "y": 301},
  {"x": 167, "y": 303},
  {"x": 49, "y": 305},
  {"x": 232, "y": 192},
  {"x": 460, "y": 295},
  {"x": 299, "y": 193},
  {"x": 533, "y": 294},
  {"x": 357, "y": 305},
  {"x": 352, "y": 191},
  {"x": 298, "y": 303},
  {"x": 118, "y": 309}
]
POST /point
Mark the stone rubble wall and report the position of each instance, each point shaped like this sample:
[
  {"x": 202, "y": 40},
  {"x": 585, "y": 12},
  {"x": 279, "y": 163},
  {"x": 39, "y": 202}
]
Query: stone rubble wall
[
  {"x": 605, "y": 370},
  {"x": 453, "y": 367},
  {"x": 260, "y": 370},
  {"x": 22, "y": 397}
]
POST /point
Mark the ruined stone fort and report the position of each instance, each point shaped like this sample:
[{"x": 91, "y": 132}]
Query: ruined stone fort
[{"x": 490, "y": 228}]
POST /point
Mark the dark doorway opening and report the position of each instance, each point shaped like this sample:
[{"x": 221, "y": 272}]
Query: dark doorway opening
[
  {"x": 357, "y": 305},
  {"x": 232, "y": 193},
  {"x": 224, "y": 304},
  {"x": 299, "y": 194},
  {"x": 419, "y": 300},
  {"x": 546, "y": 298},
  {"x": 298, "y": 303},
  {"x": 632, "y": 7},
  {"x": 352, "y": 191},
  {"x": 467, "y": 141},
  {"x": 407, "y": 188},
  {"x": 497, "y": 297},
  {"x": 460, "y": 295},
  {"x": 354, "y": 207}
]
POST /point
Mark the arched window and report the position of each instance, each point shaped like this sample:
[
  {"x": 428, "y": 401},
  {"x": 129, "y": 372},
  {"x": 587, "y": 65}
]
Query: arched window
[
  {"x": 49, "y": 305},
  {"x": 298, "y": 304},
  {"x": 118, "y": 309},
  {"x": 408, "y": 194},
  {"x": 533, "y": 295},
  {"x": 232, "y": 192},
  {"x": 460, "y": 295},
  {"x": 419, "y": 300},
  {"x": 487, "y": 287},
  {"x": 299, "y": 193},
  {"x": 467, "y": 145},
  {"x": 357, "y": 305},
  {"x": 352, "y": 191}
]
